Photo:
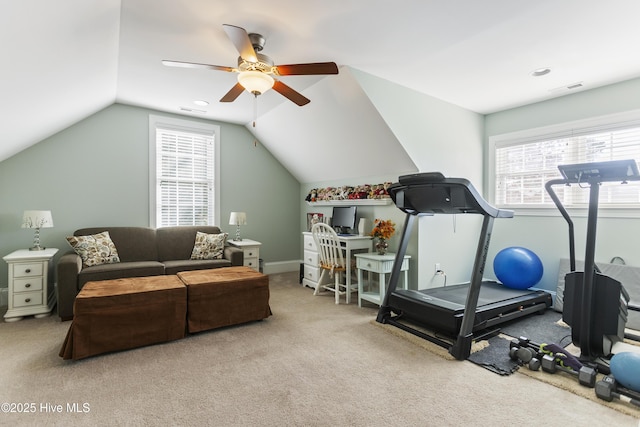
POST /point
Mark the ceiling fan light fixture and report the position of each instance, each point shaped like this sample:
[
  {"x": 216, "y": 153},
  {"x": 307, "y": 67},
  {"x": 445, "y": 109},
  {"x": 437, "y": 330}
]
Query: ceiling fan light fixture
[{"x": 255, "y": 82}]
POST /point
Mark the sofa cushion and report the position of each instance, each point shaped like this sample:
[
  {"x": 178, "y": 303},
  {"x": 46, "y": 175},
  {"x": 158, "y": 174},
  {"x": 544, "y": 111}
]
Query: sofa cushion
[
  {"x": 95, "y": 249},
  {"x": 119, "y": 271},
  {"x": 209, "y": 246},
  {"x": 175, "y": 243},
  {"x": 133, "y": 243},
  {"x": 174, "y": 267}
]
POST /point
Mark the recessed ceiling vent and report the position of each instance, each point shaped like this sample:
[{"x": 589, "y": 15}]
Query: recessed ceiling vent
[
  {"x": 192, "y": 110},
  {"x": 566, "y": 88}
]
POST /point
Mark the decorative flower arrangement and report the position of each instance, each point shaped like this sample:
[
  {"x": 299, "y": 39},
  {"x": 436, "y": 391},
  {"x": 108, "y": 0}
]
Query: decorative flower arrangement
[{"x": 383, "y": 229}]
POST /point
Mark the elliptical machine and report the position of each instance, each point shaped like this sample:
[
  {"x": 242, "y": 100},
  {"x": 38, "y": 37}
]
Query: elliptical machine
[{"x": 595, "y": 305}]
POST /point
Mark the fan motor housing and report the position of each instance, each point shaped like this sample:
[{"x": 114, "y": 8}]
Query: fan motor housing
[{"x": 264, "y": 64}]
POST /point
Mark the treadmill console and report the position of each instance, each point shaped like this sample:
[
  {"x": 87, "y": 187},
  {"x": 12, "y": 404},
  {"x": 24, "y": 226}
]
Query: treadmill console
[{"x": 615, "y": 170}]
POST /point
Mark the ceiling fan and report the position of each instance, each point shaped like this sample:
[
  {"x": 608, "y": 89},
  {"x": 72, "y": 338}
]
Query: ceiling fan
[{"x": 256, "y": 71}]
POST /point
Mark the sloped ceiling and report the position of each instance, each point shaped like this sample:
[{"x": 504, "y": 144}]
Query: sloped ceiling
[
  {"x": 59, "y": 64},
  {"x": 341, "y": 135},
  {"x": 64, "y": 60}
]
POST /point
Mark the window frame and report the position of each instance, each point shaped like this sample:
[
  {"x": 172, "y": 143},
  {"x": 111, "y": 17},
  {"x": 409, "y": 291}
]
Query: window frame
[
  {"x": 183, "y": 125},
  {"x": 561, "y": 130}
]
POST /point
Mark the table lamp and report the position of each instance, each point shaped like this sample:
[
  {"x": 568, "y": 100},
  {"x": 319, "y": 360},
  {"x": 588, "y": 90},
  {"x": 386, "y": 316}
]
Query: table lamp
[
  {"x": 238, "y": 219},
  {"x": 37, "y": 220}
]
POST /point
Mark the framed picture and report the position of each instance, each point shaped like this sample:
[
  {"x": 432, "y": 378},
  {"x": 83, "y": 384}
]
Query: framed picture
[{"x": 314, "y": 218}]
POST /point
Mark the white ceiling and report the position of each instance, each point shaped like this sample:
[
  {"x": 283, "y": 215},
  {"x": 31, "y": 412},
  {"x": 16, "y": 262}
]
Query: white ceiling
[{"x": 67, "y": 59}]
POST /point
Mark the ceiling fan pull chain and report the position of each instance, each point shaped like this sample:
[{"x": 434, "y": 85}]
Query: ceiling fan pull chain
[{"x": 255, "y": 109}]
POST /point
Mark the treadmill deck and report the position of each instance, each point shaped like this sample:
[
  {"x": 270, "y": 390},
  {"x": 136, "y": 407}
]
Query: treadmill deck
[{"x": 443, "y": 308}]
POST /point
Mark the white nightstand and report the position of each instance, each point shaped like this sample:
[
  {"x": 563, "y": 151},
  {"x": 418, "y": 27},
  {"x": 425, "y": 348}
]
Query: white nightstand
[
  {"x": 381, "y": 264},
  {"x": 251, "y": 250},
  {"x": 30, "y": 284}
]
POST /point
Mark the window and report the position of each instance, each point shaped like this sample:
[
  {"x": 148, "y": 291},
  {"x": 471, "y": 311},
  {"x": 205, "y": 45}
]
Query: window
[
  {"x": 183, "y": 172},
  {"x": 522, "y": 163}
]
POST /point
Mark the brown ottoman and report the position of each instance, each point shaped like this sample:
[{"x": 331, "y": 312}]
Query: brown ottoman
[
  {"x": 112, "y": 315},
  {"x": 225, "y": 296}
]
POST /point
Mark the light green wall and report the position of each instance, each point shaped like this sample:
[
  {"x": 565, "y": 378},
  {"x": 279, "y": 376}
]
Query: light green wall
[
  {"x": 96, "y": 173},
  {"x": 438, "y": 136},
  {"x": 548, "y": 236}
]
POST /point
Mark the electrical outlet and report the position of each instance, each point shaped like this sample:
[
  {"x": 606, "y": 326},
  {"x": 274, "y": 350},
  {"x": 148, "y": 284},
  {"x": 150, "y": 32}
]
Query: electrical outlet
[{"x": 437, "y": 268}]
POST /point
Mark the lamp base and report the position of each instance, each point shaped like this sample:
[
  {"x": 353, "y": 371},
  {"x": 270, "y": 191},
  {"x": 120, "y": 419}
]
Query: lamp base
[{"x": 36, "y": 241}]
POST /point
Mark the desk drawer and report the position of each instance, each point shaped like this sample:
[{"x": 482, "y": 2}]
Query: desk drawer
[
  {"x": 311, "y": 258},
  {"x": 27, "y": 269},
  {"x": 26, "y": 299},
  {"x": 310, "y": 244},
  {"x": 311, "y": 273},
  {"x": 27, "y": 284}
]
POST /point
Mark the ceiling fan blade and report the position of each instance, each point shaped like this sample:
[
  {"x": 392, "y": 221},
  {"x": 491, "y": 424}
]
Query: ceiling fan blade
[
  {"x": 241, "y": 41},
  {"x": 233, "y": 93},
  {"x": 307, "y": 69},
  {"x": 289, "y": 93},
  {"x": 195, "y": 65}
]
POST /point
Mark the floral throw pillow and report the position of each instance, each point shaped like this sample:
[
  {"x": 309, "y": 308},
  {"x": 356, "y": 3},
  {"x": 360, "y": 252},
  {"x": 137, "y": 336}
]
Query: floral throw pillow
[
  {"x": 209, "y": 246},
  {"x": 96, "y": 249}
]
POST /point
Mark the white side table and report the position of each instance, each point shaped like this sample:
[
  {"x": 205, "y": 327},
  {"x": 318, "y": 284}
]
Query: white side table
[
  {"x": 251, "y": 250},
  {"x": 30, "y": 289},
  {"x": 382, "y": 265}
]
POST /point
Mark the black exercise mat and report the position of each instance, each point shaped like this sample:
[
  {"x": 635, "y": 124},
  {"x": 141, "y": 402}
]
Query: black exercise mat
[{"x": 539, "y": 328}]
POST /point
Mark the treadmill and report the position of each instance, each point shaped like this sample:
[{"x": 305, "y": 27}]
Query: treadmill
[
  {"x": 454, "y": 315},
  {"x": 595, "y": 305}
]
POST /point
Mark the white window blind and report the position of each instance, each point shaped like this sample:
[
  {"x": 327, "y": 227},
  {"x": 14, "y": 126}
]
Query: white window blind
[
  {"x": 185, "y": 171},
  {"x": 522, "y": 167}
]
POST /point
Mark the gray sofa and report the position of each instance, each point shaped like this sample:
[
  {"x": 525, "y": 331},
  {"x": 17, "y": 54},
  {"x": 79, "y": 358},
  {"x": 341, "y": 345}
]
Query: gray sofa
[{"x": 142, "y": 252}]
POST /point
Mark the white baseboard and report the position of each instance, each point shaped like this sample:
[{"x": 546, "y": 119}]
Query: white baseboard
[
  {"x": 281, "y": 266},
  {"x": 4, "y": 297}
]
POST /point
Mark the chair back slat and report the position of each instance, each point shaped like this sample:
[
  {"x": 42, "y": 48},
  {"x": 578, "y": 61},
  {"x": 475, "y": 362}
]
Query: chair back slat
[{"x": 329, "y": 248}]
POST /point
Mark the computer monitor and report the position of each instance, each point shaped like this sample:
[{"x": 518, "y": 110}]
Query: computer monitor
[{"x": 343, "y": 219}]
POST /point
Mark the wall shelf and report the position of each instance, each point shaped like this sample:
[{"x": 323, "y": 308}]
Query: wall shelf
[{"x": 353, "y": 202}]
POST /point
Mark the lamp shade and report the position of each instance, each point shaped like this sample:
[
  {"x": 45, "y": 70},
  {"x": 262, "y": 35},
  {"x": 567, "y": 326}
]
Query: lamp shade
[
  {"x": 238, "y": 218},
  {"x": 255, "y": 82},
  {"x": 37, "y": 219}
]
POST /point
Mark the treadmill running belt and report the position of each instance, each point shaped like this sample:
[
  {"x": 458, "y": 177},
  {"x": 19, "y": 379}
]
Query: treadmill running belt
[{"x": 444, "y": 307}]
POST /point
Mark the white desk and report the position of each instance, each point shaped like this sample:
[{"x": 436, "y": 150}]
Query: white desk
[
  {"x": 351, "y": 244},
  {"x": 381, "y": 264}
]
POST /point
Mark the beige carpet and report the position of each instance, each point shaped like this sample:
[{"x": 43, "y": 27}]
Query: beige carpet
[
  {"x": 313, "y": 363},
  {"x": 561, "y": 380}
]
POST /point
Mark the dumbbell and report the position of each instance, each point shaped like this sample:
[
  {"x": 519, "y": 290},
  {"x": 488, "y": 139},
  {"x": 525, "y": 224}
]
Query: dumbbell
[
  {"x": 607, "y": 389},
  {"x": 586, "y": 375},
  {"x": 524, "y": 355}
]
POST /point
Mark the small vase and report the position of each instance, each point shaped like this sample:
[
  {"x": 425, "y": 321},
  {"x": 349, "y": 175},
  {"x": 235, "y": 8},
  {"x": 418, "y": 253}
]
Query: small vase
[{"x": 382, "y": 246}]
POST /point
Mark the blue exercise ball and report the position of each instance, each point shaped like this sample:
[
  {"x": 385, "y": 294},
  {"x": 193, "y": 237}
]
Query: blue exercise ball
[
  {"x": 517, "y": 267},
  {"x": 625, "y": 368}
]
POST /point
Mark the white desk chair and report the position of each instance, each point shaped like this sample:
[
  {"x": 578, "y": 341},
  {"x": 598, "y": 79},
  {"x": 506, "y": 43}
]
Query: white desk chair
[{"x": 331, "y": 260}]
